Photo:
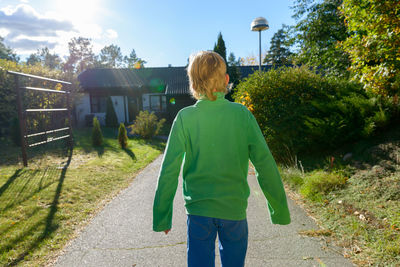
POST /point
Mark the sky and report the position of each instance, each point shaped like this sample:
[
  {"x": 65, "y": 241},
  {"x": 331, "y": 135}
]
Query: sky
[{"x": 161, "y": 32}]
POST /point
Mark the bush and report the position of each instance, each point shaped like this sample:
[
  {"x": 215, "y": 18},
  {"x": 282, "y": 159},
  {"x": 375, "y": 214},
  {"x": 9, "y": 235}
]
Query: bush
[
  {"x": 111, "y": 116},
  {"x": 318, "y": 183},
  {"x": 147, "y": 125},
  {"x": 122, "y": 137},
  {"x": 300, "y": 111},
  {"x": 97, "y": 136}
]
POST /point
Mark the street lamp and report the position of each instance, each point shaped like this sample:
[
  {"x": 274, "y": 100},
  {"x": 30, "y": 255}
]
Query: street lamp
[{"x": 257, "y": 25}]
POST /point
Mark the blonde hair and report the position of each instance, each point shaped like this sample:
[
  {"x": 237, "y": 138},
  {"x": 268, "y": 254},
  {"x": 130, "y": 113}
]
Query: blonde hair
[{"x": 206, "y": 73}]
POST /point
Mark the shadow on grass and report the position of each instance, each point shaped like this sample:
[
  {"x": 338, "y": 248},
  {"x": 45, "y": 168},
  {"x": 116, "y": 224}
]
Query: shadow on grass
[
  {"x": 83, "y": 140},
  {"x": 50, "y": 226},
  {"x": 158, "y": 144},
  {"x": 130, "y": 153},
  {"x": 99, "y": 150},
  {"x": 10, "y": 180}
]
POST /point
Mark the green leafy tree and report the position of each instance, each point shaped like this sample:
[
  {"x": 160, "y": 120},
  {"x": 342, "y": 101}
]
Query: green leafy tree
[
  {"x": 220, "y": 47},
  {"x": 33, "y": 59},
  {"x": 43, "y": 56},
  {"x": 133, "y": 61},
  {"x": 319, "y": 30},
  {"x": 97, "y": 136},
  {"x": 7, "y": 52},
  {"x": 31, "y": 98},
  {"x": 279, "y": 52},
  {"x": 122, "y": 137},
  {"x": 373, "y": 43},
  {"x": 110, "y": 57},
  {"x": 81, "y": 55},
  {"x": 111, "y": 116}
]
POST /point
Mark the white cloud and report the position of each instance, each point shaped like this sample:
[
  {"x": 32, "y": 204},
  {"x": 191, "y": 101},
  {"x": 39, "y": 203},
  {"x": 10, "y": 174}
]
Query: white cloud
[
  {"x": 26, "y": 30},
  {"x": 25, "y": 20},
  {"x": 111, "y": 34}
]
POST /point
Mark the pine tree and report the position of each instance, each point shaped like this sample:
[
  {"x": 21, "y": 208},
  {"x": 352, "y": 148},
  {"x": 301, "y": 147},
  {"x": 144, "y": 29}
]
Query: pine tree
[
  {"x": 111, "y": 116},
  {"x": 234, "y": 74},
  {"x": 279, "y": 52},
  {"x": 220, "y": 47},
  {"x": 97, "y": 136},
  {"x": 122, "y": 137}
]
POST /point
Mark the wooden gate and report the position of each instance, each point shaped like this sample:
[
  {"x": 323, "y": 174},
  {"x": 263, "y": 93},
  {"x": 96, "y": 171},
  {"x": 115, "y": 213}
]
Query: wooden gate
[{"x": 47, "y": 135}]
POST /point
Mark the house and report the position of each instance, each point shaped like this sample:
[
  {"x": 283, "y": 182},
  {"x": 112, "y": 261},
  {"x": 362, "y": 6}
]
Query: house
[{"x": 163, "y": 90}]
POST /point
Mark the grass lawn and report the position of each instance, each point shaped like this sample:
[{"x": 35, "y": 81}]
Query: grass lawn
[
  {"x": 362, "y": 213},
  {"x": 43, "y": 206}
]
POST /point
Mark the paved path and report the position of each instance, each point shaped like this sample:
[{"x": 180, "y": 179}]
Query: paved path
[{"x": 121, "y": 234}]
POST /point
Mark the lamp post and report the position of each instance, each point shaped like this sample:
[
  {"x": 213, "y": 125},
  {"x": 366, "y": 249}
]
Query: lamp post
[{"x": 257, "y": 25}]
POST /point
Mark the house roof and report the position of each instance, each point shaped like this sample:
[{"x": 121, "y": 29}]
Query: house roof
[
  {"x": 168, "y": 80},
  {"x": 245, "y": 71}
]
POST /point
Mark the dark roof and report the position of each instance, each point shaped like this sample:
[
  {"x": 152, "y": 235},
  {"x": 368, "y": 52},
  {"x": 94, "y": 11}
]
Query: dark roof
[
  {"x": 169, "y": 80},
  {"x": 172, "y": 80},
  {"x": 245, "y": 71}
]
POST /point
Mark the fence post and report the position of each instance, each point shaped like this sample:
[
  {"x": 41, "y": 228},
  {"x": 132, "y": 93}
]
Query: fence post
[{"x": 21, "y": 118}]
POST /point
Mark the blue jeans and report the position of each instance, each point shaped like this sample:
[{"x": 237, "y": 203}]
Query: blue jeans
[{"x": 202, "y": 232}]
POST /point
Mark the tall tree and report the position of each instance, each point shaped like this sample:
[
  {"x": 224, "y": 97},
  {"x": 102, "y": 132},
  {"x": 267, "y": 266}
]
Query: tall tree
[
  {"x": 33, "y": 59},
  {"x": 133, "y": 61},
  {"x": 110, "y": 56},
  {"x": 6, "y": 52},
  {"x": 81, "y": 55},
  {"x": 234, "y": 74},
  {"x": 319, "y": 30},
  {"x": 52, "y": 61},
  {"x": 373, "y": 44},
  {"x": 279, "y": 52},
  {"x": 233, "y": 69},
  {"x": 220, "y": 47}
]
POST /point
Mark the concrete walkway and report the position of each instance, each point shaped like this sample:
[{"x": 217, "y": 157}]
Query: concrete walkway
[{"x": 121, "y": 234}]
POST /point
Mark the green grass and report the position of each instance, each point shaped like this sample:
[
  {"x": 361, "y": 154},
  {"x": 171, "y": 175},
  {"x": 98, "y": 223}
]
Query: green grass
[
  {"x": 357, "y": 200},
  {"x": 42, "y": 206}
]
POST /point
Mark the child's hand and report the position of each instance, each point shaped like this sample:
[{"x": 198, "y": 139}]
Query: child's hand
[{"x": 166, "y": 231}]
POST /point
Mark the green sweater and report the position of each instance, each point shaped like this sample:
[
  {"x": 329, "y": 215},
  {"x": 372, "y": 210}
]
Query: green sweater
[{"x": 215, "y": 140}]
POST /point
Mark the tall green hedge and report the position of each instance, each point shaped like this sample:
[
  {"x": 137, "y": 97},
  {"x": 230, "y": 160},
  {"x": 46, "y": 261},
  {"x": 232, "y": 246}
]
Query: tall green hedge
[
  {"x": 31, "y": 99},
  {"x": 299, "y": 110}
]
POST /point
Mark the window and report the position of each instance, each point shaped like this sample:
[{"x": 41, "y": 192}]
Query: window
[
  {"x": 98, "y": 104},
  {"x": 158, "y": 103}
]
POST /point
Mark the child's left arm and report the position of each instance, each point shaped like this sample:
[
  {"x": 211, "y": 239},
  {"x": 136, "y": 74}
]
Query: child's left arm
[{"x": 168, "y": 178}]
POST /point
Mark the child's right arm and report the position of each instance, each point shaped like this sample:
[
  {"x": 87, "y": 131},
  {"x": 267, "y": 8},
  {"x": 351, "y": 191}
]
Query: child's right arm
[
  {"x": 267, "y": 174},
  {"x": 168, "y": 178}
]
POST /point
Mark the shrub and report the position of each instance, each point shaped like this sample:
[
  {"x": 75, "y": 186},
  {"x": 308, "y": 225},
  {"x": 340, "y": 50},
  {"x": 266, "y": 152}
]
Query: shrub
[
  {"x": 147, "y": 125},
  {"x": 97, "y": 136},
  {"x": 122, "y": 137},
  {"x": 318, "y": 183},
  {"x": 300, "y": 111},
  {"x": 293, "y": 176},
  {"x": 111, "y": 116}
]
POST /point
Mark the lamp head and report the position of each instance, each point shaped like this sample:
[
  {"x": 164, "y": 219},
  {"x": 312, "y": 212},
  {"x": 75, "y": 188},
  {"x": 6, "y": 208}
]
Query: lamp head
[{"x": 259, "y": 24}]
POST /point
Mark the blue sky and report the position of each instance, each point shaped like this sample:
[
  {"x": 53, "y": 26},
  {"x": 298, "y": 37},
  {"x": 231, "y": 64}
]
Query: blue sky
[{"x": 161, "y": 32}]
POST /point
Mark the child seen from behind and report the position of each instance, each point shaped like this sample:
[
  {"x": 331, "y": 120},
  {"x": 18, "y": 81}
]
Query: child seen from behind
[{"x": 215, "y": 139}]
